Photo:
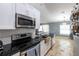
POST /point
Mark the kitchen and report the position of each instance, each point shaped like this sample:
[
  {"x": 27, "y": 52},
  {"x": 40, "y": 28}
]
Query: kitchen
[
  {"x": 28, "y": 29},
  {"x": 17, "y": 30}
]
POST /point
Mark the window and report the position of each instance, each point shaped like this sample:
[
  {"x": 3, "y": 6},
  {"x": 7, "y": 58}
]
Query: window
[
  {"x": 64, "y": 29},
  {"x": 41, "y": 28},
  {"x": 44, "y": 28}
]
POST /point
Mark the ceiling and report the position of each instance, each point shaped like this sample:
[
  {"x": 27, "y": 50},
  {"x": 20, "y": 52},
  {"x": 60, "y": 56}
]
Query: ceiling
[{"x": 54, "y": 12}]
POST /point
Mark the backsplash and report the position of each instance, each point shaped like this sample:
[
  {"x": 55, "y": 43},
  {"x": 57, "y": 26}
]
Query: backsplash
[
  {"x": 5, "y": 35},
  {"x": 8, "y": 33}
]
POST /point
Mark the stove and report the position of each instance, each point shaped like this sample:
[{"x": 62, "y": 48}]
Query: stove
[
  {"x": 20, "y": 40},
  {"x": 1, "y": 48}
]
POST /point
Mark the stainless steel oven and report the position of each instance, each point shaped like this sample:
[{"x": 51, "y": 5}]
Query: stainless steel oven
[{"x": 24, "y": 21}]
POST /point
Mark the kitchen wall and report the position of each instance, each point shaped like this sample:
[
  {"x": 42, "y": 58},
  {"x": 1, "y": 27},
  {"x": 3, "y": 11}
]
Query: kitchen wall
[{"x": 54, "y": 27}]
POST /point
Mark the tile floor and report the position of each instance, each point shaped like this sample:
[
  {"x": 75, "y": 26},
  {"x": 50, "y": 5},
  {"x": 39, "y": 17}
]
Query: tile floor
[{"x": 63, "y": 47}]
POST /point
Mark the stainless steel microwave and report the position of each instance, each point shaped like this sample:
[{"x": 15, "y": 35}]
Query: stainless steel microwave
[{"x": 23, "y": 21}]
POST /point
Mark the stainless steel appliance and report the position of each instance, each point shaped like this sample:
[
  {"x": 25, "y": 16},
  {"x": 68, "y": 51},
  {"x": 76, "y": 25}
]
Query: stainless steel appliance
[
  {"x": 1, "y": 48},
  {"x": 25, "y": 21},
  {"x": 19, "y": 40},
  {"x": 25, "y": 44},
  {"x": 33, "y": 51}
]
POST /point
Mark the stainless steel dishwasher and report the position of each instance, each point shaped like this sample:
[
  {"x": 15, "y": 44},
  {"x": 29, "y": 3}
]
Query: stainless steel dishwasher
[{"x": 33, "y": 51}]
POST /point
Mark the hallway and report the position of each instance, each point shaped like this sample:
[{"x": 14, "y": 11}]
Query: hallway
[{"x": 63, "y": 47}]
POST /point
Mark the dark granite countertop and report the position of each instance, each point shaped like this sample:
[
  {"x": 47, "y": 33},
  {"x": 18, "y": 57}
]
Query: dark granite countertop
[
  {"x": 22, "y": 47},
  {"x": 8, "y": 51}
]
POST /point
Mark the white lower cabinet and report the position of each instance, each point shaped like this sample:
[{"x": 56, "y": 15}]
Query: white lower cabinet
[{"x": 44, "y": 47}]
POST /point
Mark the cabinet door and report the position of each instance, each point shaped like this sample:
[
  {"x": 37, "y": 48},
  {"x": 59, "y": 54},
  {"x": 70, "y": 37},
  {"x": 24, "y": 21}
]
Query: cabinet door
[
  {"x": 29, "y": 9},
  {"x": 21, "y": 9},
  {"x": 33, "y": 12},
  {"x": 7, "y": 16},
  {"x": 44, "y": 47},
  {"x": 36, "y": 15}
]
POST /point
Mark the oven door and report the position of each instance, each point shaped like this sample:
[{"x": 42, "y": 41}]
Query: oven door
[{"x": 24, "y": 21}]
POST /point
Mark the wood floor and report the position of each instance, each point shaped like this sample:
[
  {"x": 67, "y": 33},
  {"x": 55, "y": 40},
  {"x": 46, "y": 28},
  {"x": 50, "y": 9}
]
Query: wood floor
[{"x": 63, "y": 47}]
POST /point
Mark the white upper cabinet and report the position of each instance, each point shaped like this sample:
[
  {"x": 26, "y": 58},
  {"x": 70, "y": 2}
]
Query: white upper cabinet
[
  {"x": 21, "y": 9},
  {"x": 8, "y": 10},
  {"x": 25, "y": 9},
  {"x": 33, "y": 12},
  {"x": 36, "y": 14},
  {"x": 37, "y": 17},
  {"x": 7, "y": 16},
  {"x": 29, "y": 10}
]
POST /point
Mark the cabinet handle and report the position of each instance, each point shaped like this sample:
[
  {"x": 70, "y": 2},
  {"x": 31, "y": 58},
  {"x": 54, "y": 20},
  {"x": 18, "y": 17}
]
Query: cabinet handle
[{"x": 35, "y": 52}]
